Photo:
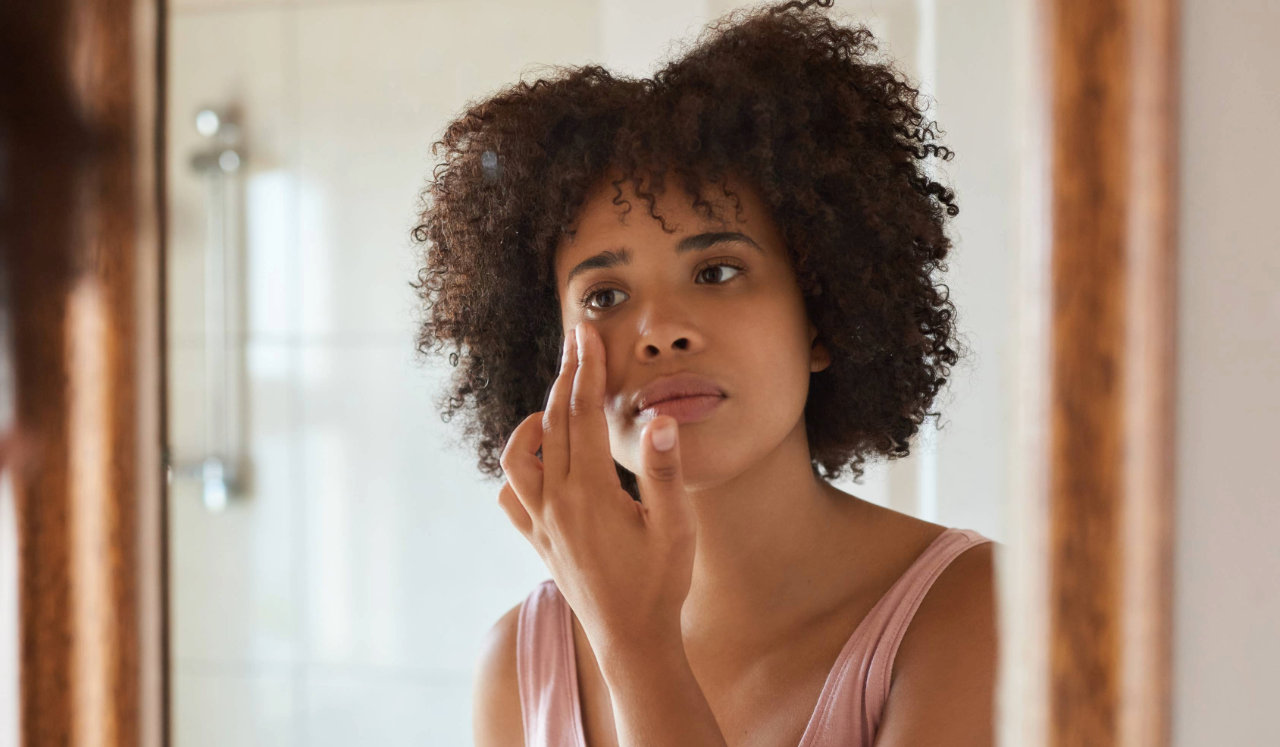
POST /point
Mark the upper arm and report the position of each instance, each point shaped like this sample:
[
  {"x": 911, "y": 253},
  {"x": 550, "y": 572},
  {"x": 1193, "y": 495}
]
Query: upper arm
[
  {"x": 495, "y": 713},
  {"x": 943, "y": 690}
]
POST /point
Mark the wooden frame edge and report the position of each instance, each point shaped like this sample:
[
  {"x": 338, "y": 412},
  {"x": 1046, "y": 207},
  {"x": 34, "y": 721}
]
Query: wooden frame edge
[
  {"x": 82, "y": 251},
  {"x": 1089, "y": 659}
]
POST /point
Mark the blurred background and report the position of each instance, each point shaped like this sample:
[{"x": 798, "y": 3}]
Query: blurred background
[
  {"x": 335, "y": 558},
  {"x": 338, "y": 590}
]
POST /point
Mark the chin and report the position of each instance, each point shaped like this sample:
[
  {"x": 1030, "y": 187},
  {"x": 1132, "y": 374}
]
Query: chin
[{"x": 705, "y": 456}]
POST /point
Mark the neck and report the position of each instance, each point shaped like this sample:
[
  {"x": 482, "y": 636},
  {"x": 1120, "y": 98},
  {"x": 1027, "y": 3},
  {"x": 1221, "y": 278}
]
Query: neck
[{"x": 765, "y": 541}]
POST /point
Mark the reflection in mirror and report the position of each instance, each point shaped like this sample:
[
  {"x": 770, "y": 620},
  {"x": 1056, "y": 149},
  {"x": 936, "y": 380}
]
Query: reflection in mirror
[{"x": 346, "y": 563}]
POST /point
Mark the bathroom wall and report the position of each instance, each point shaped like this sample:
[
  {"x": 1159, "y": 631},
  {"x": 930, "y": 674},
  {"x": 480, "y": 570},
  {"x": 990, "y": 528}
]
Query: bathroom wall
[
  {"x": 341, "y": 601},
  {"x": 1227, "y": 569},
  {"x": 343, "y": 598}
]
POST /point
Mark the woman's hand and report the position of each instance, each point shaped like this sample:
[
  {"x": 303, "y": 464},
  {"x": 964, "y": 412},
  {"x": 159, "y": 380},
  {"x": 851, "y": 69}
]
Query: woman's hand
[{"x": 624, "y": 567}]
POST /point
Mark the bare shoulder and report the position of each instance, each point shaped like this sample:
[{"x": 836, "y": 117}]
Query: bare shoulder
[
  {"x": 959, "y": 609},
  {"x": 943, "y": 681},
  {"x": 495, "y": 714}
]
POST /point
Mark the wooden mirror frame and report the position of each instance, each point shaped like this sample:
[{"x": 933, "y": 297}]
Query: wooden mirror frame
[
  {"x": 82, "y": 194},
  {"x": 1086, "y": 659}
]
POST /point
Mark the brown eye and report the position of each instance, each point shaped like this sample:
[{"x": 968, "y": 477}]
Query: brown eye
[
  {"x": 717, "y": 271},
  {"x": 605, "y": 293}
]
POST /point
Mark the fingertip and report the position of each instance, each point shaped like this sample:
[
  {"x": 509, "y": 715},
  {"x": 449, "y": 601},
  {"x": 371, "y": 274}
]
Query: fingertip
[
  {"x": 661, "y": 421},
  {"x": 564, "y": 353},
  {"x": 662, "y": 432},
  {"x": 580, "y": 336}
]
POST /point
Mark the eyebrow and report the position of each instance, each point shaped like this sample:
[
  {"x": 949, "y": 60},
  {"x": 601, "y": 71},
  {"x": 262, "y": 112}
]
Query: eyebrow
[{"x": 697, "y": 242}]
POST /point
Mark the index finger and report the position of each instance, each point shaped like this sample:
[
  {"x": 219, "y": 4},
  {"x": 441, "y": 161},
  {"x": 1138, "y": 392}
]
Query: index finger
[
  {"x": 590, "y": 457},
  {"x": 555, "y": 437}
]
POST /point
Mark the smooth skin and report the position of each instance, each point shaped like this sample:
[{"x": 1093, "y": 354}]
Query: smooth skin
[{"x": 712, "y": 613}]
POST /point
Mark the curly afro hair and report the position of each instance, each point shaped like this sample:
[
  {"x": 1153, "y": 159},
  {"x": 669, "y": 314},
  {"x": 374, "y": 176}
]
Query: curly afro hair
[{"x": 835, "y": 140}]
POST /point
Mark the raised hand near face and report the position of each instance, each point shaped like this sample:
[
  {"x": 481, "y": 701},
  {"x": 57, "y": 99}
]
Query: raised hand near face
[{"x": 624, "y": 567}]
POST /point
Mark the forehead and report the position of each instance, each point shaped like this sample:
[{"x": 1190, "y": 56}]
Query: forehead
[{"x": 608, "y": 219}]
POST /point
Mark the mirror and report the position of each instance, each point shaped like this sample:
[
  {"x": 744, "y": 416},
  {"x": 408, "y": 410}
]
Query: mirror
[
  {"x": 242, "y": 520},
  {"x": 336, "y": 556},
  {"x": 338, "y": 561}
]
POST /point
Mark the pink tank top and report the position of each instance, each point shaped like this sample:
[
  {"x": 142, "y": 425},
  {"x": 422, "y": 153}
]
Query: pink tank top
[{"x": 849, "y": 706}]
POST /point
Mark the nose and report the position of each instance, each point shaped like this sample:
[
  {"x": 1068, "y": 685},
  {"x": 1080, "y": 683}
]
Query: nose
[{"x": 667, "y": 339}]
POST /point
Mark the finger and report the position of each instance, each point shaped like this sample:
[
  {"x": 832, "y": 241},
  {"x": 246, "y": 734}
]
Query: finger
[
  {"x": 555, "y": 419},
  {"x": 515, "y": 510},
  {"x": 589, "y": 455},
  {"x": 661, "y": 478},
  {"x": 521, "y": 465}
]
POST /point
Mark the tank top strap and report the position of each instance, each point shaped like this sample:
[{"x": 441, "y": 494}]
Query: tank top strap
[
  {"x": 545, "y": 669},
  {"x": 900, "y": 605},
  {"x": 852, "y": 701}
]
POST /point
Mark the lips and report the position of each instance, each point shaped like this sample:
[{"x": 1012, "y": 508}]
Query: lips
[
  {"x": 683, "y": 409},
  {"x": 675, "y": 387}
]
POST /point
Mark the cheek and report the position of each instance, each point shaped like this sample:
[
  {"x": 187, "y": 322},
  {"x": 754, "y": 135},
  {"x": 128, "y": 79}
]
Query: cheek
[
  {"x": 770, "y": 354},
  {"x": 773, "y": 376},
  {"x": 775, "y": 326}
]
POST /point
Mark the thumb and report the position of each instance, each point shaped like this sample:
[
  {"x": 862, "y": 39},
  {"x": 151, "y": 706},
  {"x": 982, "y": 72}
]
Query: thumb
[{"x": 661, "y": 477}]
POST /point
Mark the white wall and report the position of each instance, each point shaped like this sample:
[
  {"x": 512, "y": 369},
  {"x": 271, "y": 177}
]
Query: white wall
[
  {"x": 1227, "y": 607},
  {"x": 344, "y": 600},
  {"x": 975, "y": 108}
]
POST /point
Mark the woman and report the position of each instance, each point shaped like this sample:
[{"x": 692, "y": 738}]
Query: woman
[{"x": 725, "y": 275}]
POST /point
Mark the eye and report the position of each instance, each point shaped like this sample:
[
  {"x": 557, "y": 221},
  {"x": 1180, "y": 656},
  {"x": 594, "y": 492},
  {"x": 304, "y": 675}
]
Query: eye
[
  {"x": 585, "y": 302},
  {"x": 720, "y": 266},
  {"x": 715, "y": 270}
]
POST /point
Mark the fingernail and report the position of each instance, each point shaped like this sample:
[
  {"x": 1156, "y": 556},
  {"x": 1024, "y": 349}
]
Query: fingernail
[
  {"x": 577, "y": 335},
  {"x": 664, "y": 437},
  {"x": 564, "y": 354}
]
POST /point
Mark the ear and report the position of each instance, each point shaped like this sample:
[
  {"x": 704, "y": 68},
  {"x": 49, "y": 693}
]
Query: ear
[{"x": 819, "y": 356}]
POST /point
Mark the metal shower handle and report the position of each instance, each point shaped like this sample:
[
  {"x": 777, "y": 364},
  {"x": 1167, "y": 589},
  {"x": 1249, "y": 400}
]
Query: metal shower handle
[{"x": 219, "y": 470}]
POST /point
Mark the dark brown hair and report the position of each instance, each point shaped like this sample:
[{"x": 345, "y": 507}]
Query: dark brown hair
[{"x": 834, "y": 139}]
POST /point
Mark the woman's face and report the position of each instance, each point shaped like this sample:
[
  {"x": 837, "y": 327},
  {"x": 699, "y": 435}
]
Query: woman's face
[{"x": 715, "y": 298}]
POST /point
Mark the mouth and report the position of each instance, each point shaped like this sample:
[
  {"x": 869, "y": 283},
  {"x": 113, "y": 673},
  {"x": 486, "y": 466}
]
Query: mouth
[
  {"x": 686, "y": 396},
  {"x": 691, "y": 409}
]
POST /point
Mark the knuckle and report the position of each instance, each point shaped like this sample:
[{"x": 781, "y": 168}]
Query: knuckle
[
  {"x": 538, "y": 536},
  {"x": 556, "y": 521},
  {"x": 550, "y": 516},
  {"x": 547, "y": 523},
  {"x": 664, "y": 472}
]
